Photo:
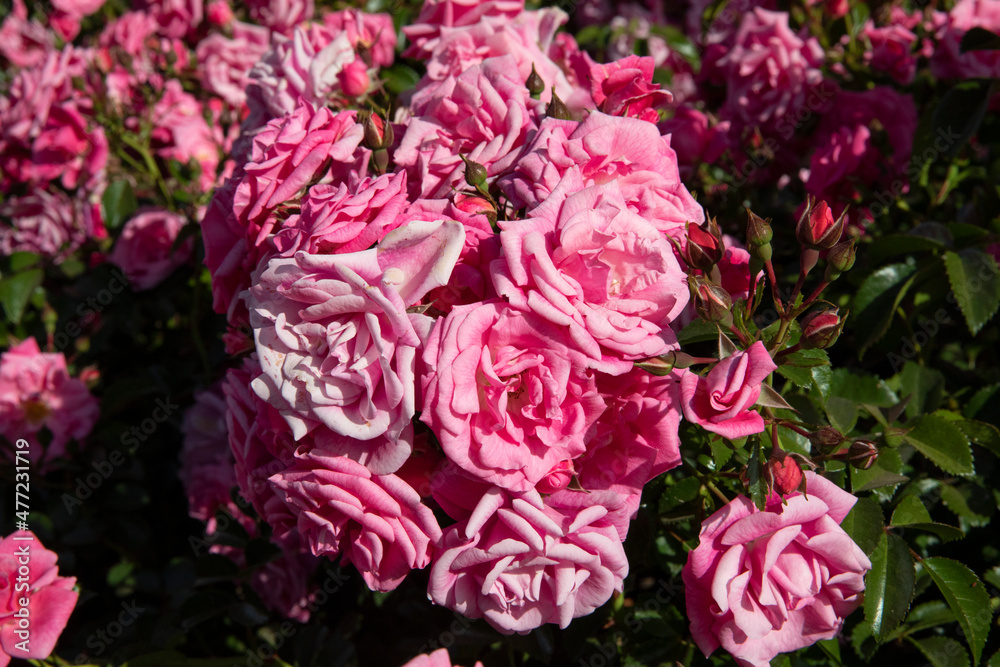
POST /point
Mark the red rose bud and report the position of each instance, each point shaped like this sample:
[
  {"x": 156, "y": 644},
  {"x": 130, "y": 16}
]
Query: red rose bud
[
  {"x": 535, "y": 84},
  {"x": 354, "y": 79},
  {"x": 817, "y": 229},
  {"x": 378, "y": 133},
  {"x": 826, "y": 438},
  {"x": 862, "y": 454},
  {"x": 759, "y": 232},
  {"x": 557, "y": 109},
  {"x": 704, "y": 248},
  {"x": 821, "y": 328},
  {"x": 711, "y": 302},
  {"x": 786, "y": 475}
]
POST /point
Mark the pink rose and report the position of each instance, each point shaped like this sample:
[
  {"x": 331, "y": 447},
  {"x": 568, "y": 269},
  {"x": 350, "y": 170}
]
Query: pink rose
[
  {"x": 354, "y": 79},
  {"x": 50, "y": 598},
  {"x": 694, "y": 138},
  {"x": 482, "y": 114},
  {"x": 281, "y": 15},
  {"x": 337, "y": 345},
  {"x": 766, "y": 582},
  {"x": 181, "y": 132},
  {"x": 507, "y": 393},
  {"x": 145, "y": 249},
  {"x": 343, "y": 218},
  {"x": 375, "y": 522},
  {"x": 230, "y": 254},
  {"x": 519, "y": 563},
  {"x": 36, "y": 391},
  {"x": 720, "y": 402},
  {"x": 225, "y": 62},
  {"x": 24, "y": 43},
  {"x": 438, "y": 658},
  {"x": 625, "y": 88},
  {"x": 284, "y": 585},
  {"x": 426, "y": 29},
  {"x": 176, "y": 18},
  {"x": 600, "y": 149},
  {"x": 47, "y": 223},
  {"x": 373, "y": 36},
  {"x": 219, "y": 13},
  {"x": 588, "y": 263},
  {"x": 891, "y": 51},
  {"x": 948, "y": 61}
]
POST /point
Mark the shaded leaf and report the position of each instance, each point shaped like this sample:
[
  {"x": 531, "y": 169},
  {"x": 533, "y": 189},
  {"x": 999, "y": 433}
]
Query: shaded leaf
[
  {"x": 978, "y": 38},
  {"x": 888, "y": 585},
  {"x": 975, "y": 282},
  {"x": 877, "y": 299},
  {"x": 15, "y": 291},
  {"x": 942, "y": 651},
  {"x": 119, "y": 203},
  {"x": 943, "y": 443},
  {"x": 865, "y": 525},
  {"x": 911, "y": 513},
  {"x": 958, "y": 116},
  {"x": 966, "y": 596}
]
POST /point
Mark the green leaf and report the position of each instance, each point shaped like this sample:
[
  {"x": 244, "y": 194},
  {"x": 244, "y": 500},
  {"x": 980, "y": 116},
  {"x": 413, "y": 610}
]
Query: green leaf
[
  {"x": 878, "y": 298},
  {"x": 943, "y": 443},
  {"x": 924, "y": 385},
  {"x": 697, "y": 332},
  {"x": 865, "y": 525},
  {"x": 977, "y": 38},
  {"x": 892, "y": 245},
  {"x": 119, "y": 203},
  {"x": 975, "y": 282},
  {"x": 683, "y": 491},
  {"x": 888, "y": 585},
  {"x": 954, "y": 500},
  {"x": 885, "y": 472},
  {"x": 399, "y": 78},
  {"x": 924, "y": 616},
  {"x": 799, "y": 366},
  {"x": 981, "y": 433},
  {"x": 942, "y": 651},
  {"x": 721, "y": 452},
  {"x": 22, "y": 260},
  {"x": 822, "y": 380},
  {"x": 911, "y": 513},
  {"x": 862, "y": 388},
  {"x": 959, "y": 114},
  {"x": 995, "y": 660},
  {"x": 966, "y": 596},
  {"x": 15, "y": 291},
  {"x": 842, "y": 413},
  {"x": 755, "y": 470}
]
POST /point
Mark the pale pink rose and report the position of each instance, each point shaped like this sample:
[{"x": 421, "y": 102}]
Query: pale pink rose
[
  {"x": 145, "y": 249},
  {"x": 519, "y": 563},
  {"x": 302, "y": 68},
  {"x": 373, "y": 36},
  {"x": 590, "y": 265},
  {"x": 24, "y": 43},
  {"x": 600, "y": 149},
  {"x": 50, "y": 597},
  {"x": 766, "y": 582},
  {"x": 225, "y": 62},
  {"x": 343, "y": 218},
  {"x": 721, "y": 401},
  {"x": 770, "y": 72},
  {"x": 482, "y": 114},
  {"x": 375, "y": 522},
  {"x": 288, "y": 155},
  {"x": 625, "y": 88},
  {"x": 176, "y": 18},
  {"x": 281, "y": 15},
  {"x": 181, "y": 132},
  {"x": 948, "y": 61},
  {"x": 47, "y": 223},
  {"x": 507, "y": 393},
  {"x": 438, "y": 658},
  {"x": 694, "y": 137},
  {"x": 337, "y": 345},
  {"x": 891, "y": 51},
  {"x": 425, "y": 31},
  {"x": 37, "y": 392}
]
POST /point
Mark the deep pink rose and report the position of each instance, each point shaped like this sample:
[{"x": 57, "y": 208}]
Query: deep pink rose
[
  {"x": 47, "y": 223},
  {"x": 507, "y": 393},
  {"x": 519, "y": 563},
  {"x": 50, "y": 598},
  {"x": 588, "y": 263},
  {"x": 891, "y": 51},
  {"x": 720, "y": 402},
  {"x": 145, "y": 249},
  {"x": 766, "y": 582},
  {"x": 948, "y": 61},
  {"x": 438, "y": 658},
  {"x": 181, "y": 132},
  {"x": 347, "y": 217},
  {"x": 219, "y": 13},
  {"x": 694, "y": 137},
  {"x": 284, "y": 584},
  {"x": 625, "y": 88},
  {"x": 225, "y": 62},
  {"x": 36, "y": 391},
  {"x": 24, "y": 43},
  {"x": 375, "y": 522},
  {"x": 425, "y": 31},
  {"x": 230, "y": 253},
  {"x": 482, "y": 114},
  {"x": 281, "y": 15},
  {"x": 600, "y": 149},
  {"x": 176, "y": 18},
  {"x": 337, "y": 345},
  {"x": 373, "y": 36}
]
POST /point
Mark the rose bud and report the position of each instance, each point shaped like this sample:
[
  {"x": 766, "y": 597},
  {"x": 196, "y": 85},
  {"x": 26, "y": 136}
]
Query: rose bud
[
  {"x": 704, "y": 248},
  {"x": 476, "y": 205},
  {"x": 354, "y": 79},
  {"x": 535, "y": 84},
  {"x": 840, "y": 259},
  {"x": 557, "y": 109},
  {"x": 557, "y": 479},
  {"x": 785, "y": 473},
  {"x": 826, "y": 438},
  {"x": 817, "y": 229},
  {"x": 862, "y": 454},
  {"x": 821, "y": 328},
  {"x": 378, "y": 133},
  {"x": 711, "y": 302},
  {"x": 219, "y": 13},
  {"x": 759, "y": 232},
  {"x": 475, "y": 173}
]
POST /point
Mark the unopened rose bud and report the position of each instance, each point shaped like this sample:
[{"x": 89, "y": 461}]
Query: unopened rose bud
[
  {"x": 817, "y": 228},
  {"x": 557, "y": 479},
  {"x": 354, "y": 80},
  {"x": 785, "y": 473},
  {"x": 90, "y": 376},
  {"x": 703, "y": 249},
  {"x": 711, "y": 302},
  {"x": 477, "y": 206},
  {"x": 475, "y": 174},
  {"x": 826, "y": 438},
  {"x": 759, "y": 232},
  {"x": 658, "y": 366},
  {"x": 821, "y": 328},
  {"x": 535, "y": 84},
  {"x": 219, "y": 13},
  {"x": 557, "y": 109},
  {"x": 840, "y": 259},
  {"x": 378, "y": 133},
  {"x": 862, "y": 454}
]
